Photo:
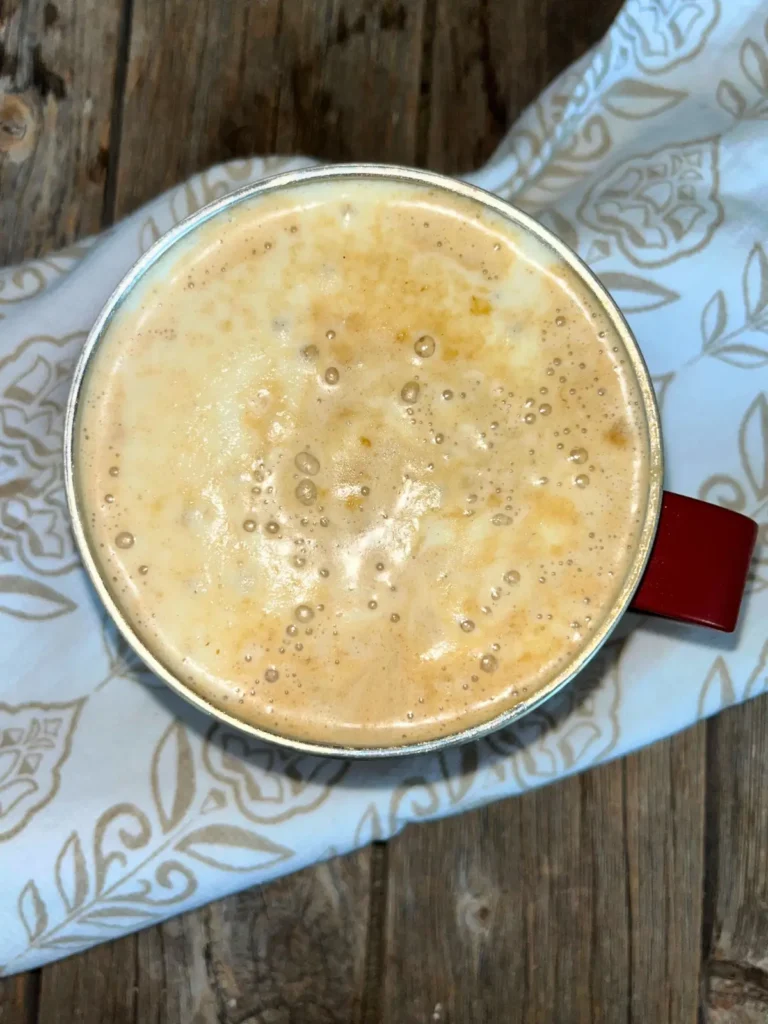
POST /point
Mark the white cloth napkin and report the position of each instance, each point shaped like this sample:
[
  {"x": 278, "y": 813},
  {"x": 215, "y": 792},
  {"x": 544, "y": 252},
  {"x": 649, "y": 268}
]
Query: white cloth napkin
[{"x": 120, "y": 805}]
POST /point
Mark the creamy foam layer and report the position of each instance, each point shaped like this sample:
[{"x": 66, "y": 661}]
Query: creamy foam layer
[{"x": 362, "y": 463}]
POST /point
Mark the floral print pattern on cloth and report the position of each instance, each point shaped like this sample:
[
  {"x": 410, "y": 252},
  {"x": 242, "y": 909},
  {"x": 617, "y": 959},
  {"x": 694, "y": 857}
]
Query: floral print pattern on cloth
[{"x": 648, "y": 165}]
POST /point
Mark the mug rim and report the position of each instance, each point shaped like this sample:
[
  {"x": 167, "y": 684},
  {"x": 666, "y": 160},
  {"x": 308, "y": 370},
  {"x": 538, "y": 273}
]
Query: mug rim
[{"x": 393, "y": 173}]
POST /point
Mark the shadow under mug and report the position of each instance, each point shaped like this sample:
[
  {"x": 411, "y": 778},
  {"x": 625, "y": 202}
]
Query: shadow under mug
[{"x": 693, "y": 557}]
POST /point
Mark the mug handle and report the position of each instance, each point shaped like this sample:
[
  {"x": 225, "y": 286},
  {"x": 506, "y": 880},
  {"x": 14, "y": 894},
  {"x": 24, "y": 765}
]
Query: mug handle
[{"x": 699, "y": 562}]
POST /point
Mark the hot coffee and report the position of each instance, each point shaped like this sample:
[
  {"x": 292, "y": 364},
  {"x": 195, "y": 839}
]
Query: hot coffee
[{"x": 362, "y": 462}]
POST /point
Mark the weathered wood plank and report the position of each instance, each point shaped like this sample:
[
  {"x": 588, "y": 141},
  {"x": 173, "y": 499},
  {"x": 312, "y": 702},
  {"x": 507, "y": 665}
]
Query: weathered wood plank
[
  {"x": 664, "y": 810},
  {"x": 333, "y": 80},
  {"x": 489, "y": 61},
  {"x": 736, "y": 908},
  {"x": 18, "y": 998},
  {"x": 579, "y": 902},
  {"x": 57, "y": 69},
  {"x": 292, "y": 950}
]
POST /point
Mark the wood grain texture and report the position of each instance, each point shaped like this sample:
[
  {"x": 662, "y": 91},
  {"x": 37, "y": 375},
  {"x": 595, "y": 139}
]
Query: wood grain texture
[
  {"x": 338, "y": 81},
  {"x": 57, "y": 70},
  {"x": 19, "y": 998},
  {"x": 736, "y": 908},
  {"x": 294, "y": 950},
  {"x": 570, "y": 904},
  {"x": 489, "y": 60}
]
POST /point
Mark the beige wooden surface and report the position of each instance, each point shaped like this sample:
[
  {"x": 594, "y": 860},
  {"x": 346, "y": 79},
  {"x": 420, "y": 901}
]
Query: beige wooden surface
[{"x": 635, "y": 893}]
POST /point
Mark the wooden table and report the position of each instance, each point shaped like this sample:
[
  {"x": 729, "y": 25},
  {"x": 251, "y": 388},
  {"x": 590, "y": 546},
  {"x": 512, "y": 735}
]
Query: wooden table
[{"x": 635, "y": 893}]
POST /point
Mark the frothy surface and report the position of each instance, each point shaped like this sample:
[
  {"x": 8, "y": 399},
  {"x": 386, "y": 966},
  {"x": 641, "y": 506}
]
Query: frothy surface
[{"x": 363, "y": 463}]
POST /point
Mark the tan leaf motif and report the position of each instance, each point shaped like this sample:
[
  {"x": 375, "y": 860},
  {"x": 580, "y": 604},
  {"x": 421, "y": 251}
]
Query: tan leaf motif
[
  {"x": 665, "y": 33},
  {"x": 27, "y": 598},
  {"x": 173, "y": 776},
  {"x": 661, "y": 382},
  {"x": 717, "y": 689},
  {"x": 753, "y": 445},
  {"x": 149, "y": 233},
  {"x": 730, "y": 99},
  {"x": 34, "y": 385},
  {"x": 232, "y": 848},
  {"x": 121, "y": 829},
  {"x": 72, "y": 873},
  {"x": 634, "y": 99},
  {"x": 636, "y": 294},
  {"x": 714, "y": 318},
  {"x": 746, "y": 357},
  {"x": 32, "y": 911},
  {"x": 269, "y": 784},
  {"x": 754, "y": 64},
  {"x": 755, "y": 282},
  {"x": 659, "y": 206},
  {"x": 458, "y": 767},
  {"x": 35, "y": 741},
  {"x": 421, "y": 800},
  {"x": 369, "y": 829}
]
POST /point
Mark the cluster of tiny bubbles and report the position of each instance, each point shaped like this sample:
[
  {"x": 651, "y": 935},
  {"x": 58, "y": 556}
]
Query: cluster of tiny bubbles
[
  {"x": 271, "y": 675},
  {"x": 488, "y": 663},
  {"x": 304, "y": 613},
  {"x": 513, "y": 576},
  {"x": 424, "y": 346},
  {"x": 331, "y": 375},
  {"x": 410, "y": 392},
  {"x": 272, "y": 527},
  {"x": 500, "y": 519},
  {"x": 306, "y": 492},
  {"x": 467, "y": 625},
  {"x": 578, "y": 455},
  {"x": 582, "y": 480},
  {"x": 125, "y": 540},
  {"x": 249, "y": 525}
]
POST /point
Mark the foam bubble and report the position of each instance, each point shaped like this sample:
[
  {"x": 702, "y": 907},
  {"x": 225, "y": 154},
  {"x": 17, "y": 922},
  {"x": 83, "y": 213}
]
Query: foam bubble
[
  {"x": 488, "y": 663},
  {"x": 249, "y": 525},
  {"x": 578, "y": 455},
  {"x": 512, "y": 577},
  {"x": 410, "y": 392},
  {"x": 331, "y": 375},
  {"x": 500, "y": 519},
  {"x": 425, "y": 346},
  {"x": 304, "y": 613},
  {"x": 125, "y": 540},
  {"x": 582, "y": 480},
  {"x": 306, "y": 492},
  {"x": 467, "y": 625},
  {"x": 271, "y": 675}
]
